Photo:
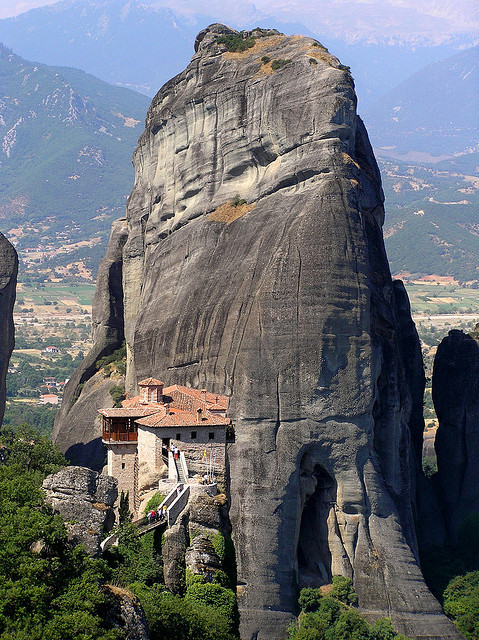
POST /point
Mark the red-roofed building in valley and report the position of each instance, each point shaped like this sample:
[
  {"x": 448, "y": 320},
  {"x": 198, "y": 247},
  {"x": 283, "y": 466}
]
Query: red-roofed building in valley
[
  {"x": 142, "y": 435},
  {"x": 49, "y": 398}
]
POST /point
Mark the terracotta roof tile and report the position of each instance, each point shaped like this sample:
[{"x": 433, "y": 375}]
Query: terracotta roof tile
[
  {"x": 150, "y": 382},
  {"x": 196, "y": 394},
  {"x": 178, "y": 418},
  {"x": 128, "y": 412}
]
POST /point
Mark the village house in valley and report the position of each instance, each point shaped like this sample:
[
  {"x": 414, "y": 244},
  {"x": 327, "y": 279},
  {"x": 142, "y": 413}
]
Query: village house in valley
[{"x": 142, "y": 436}]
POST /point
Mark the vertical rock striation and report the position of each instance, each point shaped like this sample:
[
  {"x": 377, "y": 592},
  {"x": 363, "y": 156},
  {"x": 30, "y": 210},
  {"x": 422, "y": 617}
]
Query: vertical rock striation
[
  {"x": 8, "y": 282},
  {"x": 455, "y": 391},
  {"x": 254, "y": 265},
  {"x": 77, "y": 429}
]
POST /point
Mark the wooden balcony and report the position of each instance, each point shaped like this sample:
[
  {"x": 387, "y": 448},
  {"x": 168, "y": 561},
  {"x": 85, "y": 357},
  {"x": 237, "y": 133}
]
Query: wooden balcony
[{"x": 119, "y": 436}]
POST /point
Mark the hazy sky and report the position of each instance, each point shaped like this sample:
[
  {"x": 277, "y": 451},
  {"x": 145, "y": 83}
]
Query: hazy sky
[
  {"x": 13, "y": 7},
  {"x": 443, "y": 15}
]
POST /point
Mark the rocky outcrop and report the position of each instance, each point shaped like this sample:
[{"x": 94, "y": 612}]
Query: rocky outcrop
[
  {"x": 77, "y": 429},
  {"x": 199, "y": 542},
  {"x": 85, "y": 500},
  {"x": 8, "y": 282},
  {"x": 455, "y": 392},
  {"x": 254, "y": 265},
  {"x": 125, "y": 613}
]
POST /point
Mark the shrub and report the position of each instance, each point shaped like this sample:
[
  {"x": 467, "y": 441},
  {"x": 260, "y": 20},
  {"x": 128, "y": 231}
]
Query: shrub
[
  {"x": 217, "y": 597},
  {"x": 279, "y": 63},
  {"x": 343, "y": 590},
  {"x": 124, "y": 514},
  {"x": 171, "y": 617},
  {"x": 265, "y": 59},
  {"x": 236, "y": 42},
  {"x": 117, "y": 394},
  {"x": 154, "y": 502},
  {"x": 309, "y": 599},
  {"x": 429, "y": 466},
  {"x": 313, "y": 61},
  {"x": 237, "y": 201},
  {"x": 461, "y": 602},
  {"x": 135, "y": 559},
  {"x": 114, "y": 358}
]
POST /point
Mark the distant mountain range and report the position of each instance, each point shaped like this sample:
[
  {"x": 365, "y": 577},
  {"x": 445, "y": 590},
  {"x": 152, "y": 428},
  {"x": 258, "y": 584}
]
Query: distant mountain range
[
  {"x": 66, "y": 143},
  {"x": 68, "y": 137},
  {"x": 435, "y": 112}
]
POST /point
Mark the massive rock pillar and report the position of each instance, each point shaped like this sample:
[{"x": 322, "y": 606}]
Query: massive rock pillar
[
  {"x": 8, "y": 283},
  {"x": 254, "y": 265},
  {"x": 455, "y": 391}
]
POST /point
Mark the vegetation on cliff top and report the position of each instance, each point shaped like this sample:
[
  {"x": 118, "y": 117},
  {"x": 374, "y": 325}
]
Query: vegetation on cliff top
[{"x": 236, "y": 42}]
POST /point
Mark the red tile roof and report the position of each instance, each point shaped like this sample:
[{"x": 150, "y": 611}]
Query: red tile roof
[
  {"x": 150, "y": 382},
  {"x": 183, "y": 405},
  {"x": 211, "y": 398},
  {"x": 178, "y": 418},
  {"x": 128, "y": 412}
]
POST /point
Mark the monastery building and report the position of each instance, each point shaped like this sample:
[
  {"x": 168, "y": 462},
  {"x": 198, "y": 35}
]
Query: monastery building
[{"x": 147, "y": 429}]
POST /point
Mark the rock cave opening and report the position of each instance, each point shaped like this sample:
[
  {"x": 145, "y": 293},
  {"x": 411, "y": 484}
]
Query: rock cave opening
[{"x": 318, "y": 496}]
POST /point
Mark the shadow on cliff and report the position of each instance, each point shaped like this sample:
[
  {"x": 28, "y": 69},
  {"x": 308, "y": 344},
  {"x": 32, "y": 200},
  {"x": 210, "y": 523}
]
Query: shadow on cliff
[{"x": 93, "y": 451}]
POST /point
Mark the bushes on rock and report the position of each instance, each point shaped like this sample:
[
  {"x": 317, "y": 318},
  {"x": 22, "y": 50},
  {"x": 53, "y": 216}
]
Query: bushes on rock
[
  {"x": 236, "y": 42},
  {"x": 461, "y": 602},
  {"x": 171, "y": 617},
  {"x": 343, "y": 590},
  {"x": 117, "y": 394},
  {"x": 215, "y": 596},
  {"x": 117, "y": 359},
  {"x": 279, "y": 63},
  {"x": 329, "y": 618},
  {"x": 49, "y": 588}
]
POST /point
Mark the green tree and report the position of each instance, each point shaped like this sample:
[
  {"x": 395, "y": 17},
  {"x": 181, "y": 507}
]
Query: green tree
[
  {"x": 217, "y": 597},
  {"x": 171, "y": 617},
  {"x": 49, "y": 588},
  {"x": 461, "y": 602},
  {"x": 124, "y": 514},
  {"x": 309, "y": 599},
  {"x": 343, "y": 590},
  {"x": 135, "y": 559},
  {"x": 30, "y": 450}
]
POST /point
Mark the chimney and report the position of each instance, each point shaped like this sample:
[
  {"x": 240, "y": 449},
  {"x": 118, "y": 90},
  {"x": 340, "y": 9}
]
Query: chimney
[
  {"x": 203, "y": 395},
  {"x": 167, "y": 408},
  {"x": 199, "y": 415}
]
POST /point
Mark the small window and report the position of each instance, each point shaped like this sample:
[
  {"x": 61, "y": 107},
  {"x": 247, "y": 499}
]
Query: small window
[
  {"x": 211, "y": 435},
  {"x": 193, "y": 435},
  {"x": 123, "y": 465},
  {"x": 178, "y": 436}
]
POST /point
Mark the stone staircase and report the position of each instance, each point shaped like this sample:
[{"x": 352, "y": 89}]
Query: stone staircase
[{"x": 181, "y": 473}]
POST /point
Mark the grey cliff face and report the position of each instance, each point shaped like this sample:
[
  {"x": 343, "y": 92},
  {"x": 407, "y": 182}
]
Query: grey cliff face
[
  {"x": 77, "y": 429},
  {"x": 286, "y": 303},
  {"x": 455, "y": 390},
  {"x": 85, "y": 500},
  {"x": 8, "y": 282}
]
